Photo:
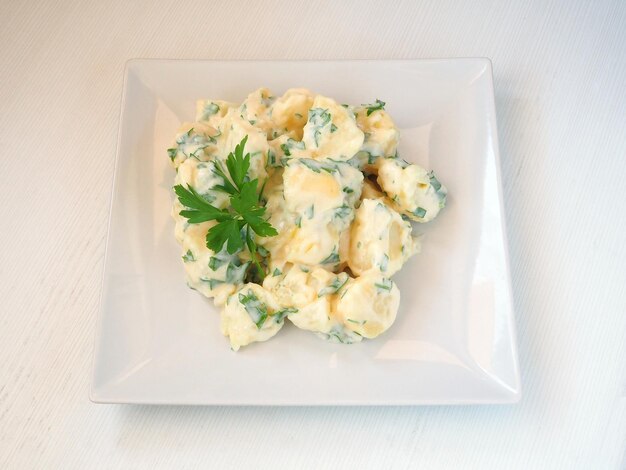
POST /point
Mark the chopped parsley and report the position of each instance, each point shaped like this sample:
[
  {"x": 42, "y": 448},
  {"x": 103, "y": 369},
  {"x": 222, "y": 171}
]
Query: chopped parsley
[
  {"x": 280, "y": 315},
  {"x": 255, "y": 308},
  {"x": 342, "y": 212},
  {"x": 213, "y": 283},
  {"x": 318, "y": 166},
  {"x": 271, "y": 159},
  {"x": 236, "y": 274},
  {"x": 209, "y": 110},
  {"x": 384, "y": 285},
  {"x": 339, "y": 335},
  {"x": 188, "y": 257},
  {"x": 439, "y": 189},
  {"x": 333, "y": 258},
  {"x": 319, "y": 119},
  {"x": 419, "y": 212},
  {"x": 334, "y": 287},
  {"x": 378, "y": 106},
  {"x": 384, "y": 262},
  {"x": 292, "y": 143}
]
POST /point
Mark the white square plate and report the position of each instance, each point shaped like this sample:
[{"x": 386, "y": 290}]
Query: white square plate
[{"x": 453, "y": 340}]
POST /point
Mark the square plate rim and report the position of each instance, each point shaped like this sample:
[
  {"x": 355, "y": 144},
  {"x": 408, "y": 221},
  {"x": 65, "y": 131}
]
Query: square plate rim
[{"x": 512, "y": 396}]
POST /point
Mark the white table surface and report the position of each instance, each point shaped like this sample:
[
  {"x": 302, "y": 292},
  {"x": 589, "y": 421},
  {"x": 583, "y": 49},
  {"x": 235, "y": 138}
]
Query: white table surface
[{"x": 560, "y": 79}]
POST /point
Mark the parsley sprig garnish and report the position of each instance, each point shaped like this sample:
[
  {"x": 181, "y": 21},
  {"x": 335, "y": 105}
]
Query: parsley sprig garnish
[
  {"x": 378, "y": 106},
  {"x": 236, "y": 225}
]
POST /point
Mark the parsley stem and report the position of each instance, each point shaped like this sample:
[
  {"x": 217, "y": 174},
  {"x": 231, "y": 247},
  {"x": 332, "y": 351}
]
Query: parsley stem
[
  {"x": 258, "y": 265},
  {"x": 254, "y": 254}
]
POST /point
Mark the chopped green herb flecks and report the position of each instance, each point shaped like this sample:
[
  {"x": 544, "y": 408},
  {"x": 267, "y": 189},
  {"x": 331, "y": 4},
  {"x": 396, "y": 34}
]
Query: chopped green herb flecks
[
  {"x": 188, "y": 257},
  {"x": 310, "y": 211},
  {"x": 419, "y": 212},
  {"x": 263, "y": 251},
  {"x": 297, "y": 144},
  {"x": 190, "y": 144},
  {"x": 439, "y": 189},
  {"x": 318, "y": 166},
  {"x": 255, "y": 308},
  {"x": 222, "y": 258},
  {"x": 285, "y": 149},
  {"x": 334, "y": 287},
  {"x": 384, "y": 262},
  {"x": 236, "y": 274},
  {"x": 333, "y": 258},
  {"x": 348, "y": 190},
  {"x": 339, "y": 335},
  {"x": 280, "y": 315},
  {"x": 277, "y": 272},
  {"x": 343, "y": 212},
  {"x": 213, "y": 283},
  {"x": 379, "y": 105},
  {"x": 333, "y": 128},
  {"x": 384, "y": 285},
  {"x": 209, "y": 110},
  {"x": 271, "y": 159},
  {"x": 319, "y": 118},
  {"x": 401, "y": 162}
]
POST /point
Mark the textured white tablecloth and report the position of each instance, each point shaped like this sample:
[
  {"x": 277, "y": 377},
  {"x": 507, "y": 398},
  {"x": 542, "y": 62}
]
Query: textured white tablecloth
[{"x": 560, "y": 79}]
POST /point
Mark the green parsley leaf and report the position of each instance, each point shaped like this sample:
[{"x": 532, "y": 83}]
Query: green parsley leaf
[
  {"x": 227, "y": 232},
  {"x": 236, "y": 226}
]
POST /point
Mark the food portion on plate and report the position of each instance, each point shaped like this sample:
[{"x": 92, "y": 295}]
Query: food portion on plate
[{"x": 297, "y": 208}]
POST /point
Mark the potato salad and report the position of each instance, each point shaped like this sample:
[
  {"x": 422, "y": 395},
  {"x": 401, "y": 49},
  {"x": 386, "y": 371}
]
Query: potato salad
[{"x": 297, "y": 208}]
